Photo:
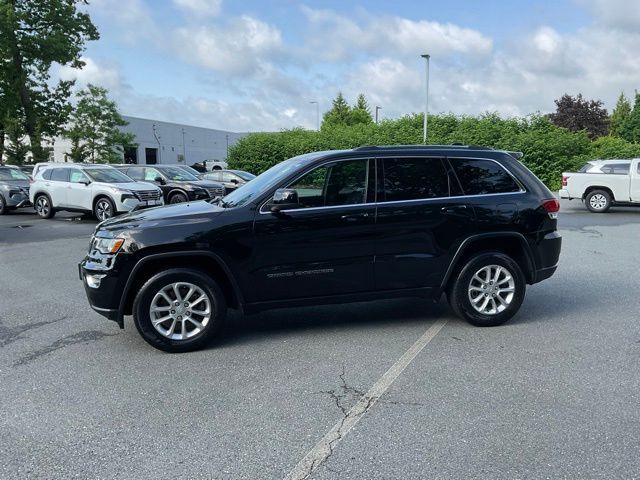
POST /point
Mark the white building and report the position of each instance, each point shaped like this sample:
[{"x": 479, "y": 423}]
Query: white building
[{"x": 167, "y": 143}]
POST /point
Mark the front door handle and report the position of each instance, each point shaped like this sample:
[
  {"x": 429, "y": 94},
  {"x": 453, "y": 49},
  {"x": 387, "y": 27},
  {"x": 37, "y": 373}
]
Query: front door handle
[
  {"x": 454, "y": 209},
  {"x": 354, "y": 217}
]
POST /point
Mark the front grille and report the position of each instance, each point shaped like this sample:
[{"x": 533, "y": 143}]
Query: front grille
[
  {"x": 146, "y": 195},
  {"x": 215, "y": 191}
]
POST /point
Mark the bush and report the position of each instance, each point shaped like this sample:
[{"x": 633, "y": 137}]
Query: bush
[{"x": 548, "y": 150}]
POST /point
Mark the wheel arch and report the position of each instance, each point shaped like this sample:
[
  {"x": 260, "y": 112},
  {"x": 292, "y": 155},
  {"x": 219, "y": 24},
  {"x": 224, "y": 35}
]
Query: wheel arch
[
  {"x": 175, "y": 191},
  {"x": 207, "y": 262},
  {"x": 512, "y": 244},
  {"x": 98, "y": 197},
  {"x": 597, "y": 187}
]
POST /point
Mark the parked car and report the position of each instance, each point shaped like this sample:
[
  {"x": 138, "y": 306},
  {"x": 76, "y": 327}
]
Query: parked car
[
  {"x": 98, "y": 189},
  {"x": 209, "y": 165},
  {"x": 28, "y": 169},
  {"x": 332, "y": 227},
  {"x": 14, "y": 189},
  {"x": 231, "y": 179},
  {"x": 177, "y": 184},
  {"x": 601, "y": 184},
  {"x": 192, "y": 171}
]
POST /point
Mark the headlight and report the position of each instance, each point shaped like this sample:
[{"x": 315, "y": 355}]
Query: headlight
[
  {"x": 108, "y": 245},
  {"x": 120, "y": 190}
]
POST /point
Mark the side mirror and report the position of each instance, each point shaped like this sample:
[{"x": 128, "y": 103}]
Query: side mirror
[
  {"x": 234, "y": 180},
  {"x": 86, "y": 182},
  {"x": 159, "y": 180},
  {"x": 284, "y": 199}
]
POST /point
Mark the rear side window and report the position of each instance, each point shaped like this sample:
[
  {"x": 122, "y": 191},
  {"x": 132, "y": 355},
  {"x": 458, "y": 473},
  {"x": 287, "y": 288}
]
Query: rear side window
[
  {"x": 616, "y": 168},
  {"x": 47, "y": 174},
  {"x": 414, "y": 179},
  {"x": 482, "y": 177},
  {"x": 136, "y": 173},
  {"x": 60, "y": 174}
]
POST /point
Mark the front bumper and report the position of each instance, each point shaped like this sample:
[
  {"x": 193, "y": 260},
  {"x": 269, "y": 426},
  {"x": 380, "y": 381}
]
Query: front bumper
[
  {"x": 128, "y": 204},
  {"x": 18, "y": 200}
]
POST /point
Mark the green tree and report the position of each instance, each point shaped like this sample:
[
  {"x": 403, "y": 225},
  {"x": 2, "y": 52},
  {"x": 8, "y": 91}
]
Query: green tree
[
  {"x": 15, "y": 149},
  {"x": 94, "y": 128},
  {"x": 631, "y": 127},
  {"x": 34, "y": 34},
  {"x": 339, "y": 114},
  {"x": 577, "y": 114},
  {"x": 620, "y": 116},
  {"x": 361, "y": 113}
]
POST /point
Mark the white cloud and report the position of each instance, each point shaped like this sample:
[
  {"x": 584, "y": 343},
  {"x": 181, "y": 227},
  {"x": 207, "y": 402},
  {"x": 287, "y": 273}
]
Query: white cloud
[
  {"x": 619, "y": 14},
  {"x": 238, "y": 47},
  {"x": 207, "y": 8},
  {"x": 336, "y": 37},
  {"x": 107, "y": 76}
]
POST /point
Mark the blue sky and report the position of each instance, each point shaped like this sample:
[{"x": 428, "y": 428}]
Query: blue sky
[{"x": 256, "y": 65}]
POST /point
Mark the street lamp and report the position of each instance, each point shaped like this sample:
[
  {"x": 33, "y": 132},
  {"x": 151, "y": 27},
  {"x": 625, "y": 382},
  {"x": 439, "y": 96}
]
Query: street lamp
[
  {"x": 426, "y": 100},
  {"x": 377, "y": 108},
  {"x": 317, "y": 114}
]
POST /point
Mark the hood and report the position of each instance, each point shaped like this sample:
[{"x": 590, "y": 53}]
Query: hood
[
  {"x": 147, "y": 186},
  {"x": 15, "y": 183},
  {"x": 177, "y": 214}
]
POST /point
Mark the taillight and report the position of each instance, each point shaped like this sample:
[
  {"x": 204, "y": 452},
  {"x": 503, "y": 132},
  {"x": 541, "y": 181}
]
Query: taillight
[
  {"x": 552, "y": 207},
  {"x": 564, "y": 180}
]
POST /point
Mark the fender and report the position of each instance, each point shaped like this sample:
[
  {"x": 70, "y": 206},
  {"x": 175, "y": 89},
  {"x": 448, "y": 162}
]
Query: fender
[
  {"x": 177, "y": 190},
  {"x": 191, "y": 253},
  {"x": 482, "y": 236}
]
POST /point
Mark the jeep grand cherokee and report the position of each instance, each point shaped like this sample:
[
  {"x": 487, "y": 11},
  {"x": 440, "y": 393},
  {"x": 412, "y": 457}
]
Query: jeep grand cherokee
[{"x": 329, "y": 227}]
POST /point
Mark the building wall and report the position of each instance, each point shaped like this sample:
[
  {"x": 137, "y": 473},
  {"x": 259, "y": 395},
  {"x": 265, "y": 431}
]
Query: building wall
[{"x": 173, "y": 143}]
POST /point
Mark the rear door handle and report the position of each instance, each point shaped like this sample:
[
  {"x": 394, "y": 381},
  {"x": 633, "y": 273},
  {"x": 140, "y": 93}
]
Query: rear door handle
[{"x": 454, "y": 210}]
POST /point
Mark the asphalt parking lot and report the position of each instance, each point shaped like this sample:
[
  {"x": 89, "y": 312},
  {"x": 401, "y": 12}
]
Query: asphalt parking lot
[{"x": 552, "y": 394}]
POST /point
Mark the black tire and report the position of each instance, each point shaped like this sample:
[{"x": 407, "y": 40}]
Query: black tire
[
  {"x": 103, "y": 209},
  {"x": 598, "y": 201},
  {"x": 3, "y": 206},
  {"x": 461, "y": 292},
  {"x": 178, "y": 198},
  {"x": 42, "y": 204},
  {"x": 143, "y": 302}
]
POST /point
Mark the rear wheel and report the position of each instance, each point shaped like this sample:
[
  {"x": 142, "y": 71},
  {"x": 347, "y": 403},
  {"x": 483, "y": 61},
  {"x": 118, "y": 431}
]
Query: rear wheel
[
  {"x": 179, "y": 310},
  {"x": 43, "y": 206},
  {"x": 489, "y": 290},
  {"x": 598, "y": 201}
]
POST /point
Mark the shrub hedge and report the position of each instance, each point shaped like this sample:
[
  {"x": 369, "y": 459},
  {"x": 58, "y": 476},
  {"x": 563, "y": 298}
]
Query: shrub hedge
[{"x": 548, "y": 150}]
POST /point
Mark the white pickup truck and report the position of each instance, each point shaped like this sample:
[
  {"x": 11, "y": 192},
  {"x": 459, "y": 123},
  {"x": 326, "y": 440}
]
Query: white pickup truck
[{"x": 603, "y": 183}]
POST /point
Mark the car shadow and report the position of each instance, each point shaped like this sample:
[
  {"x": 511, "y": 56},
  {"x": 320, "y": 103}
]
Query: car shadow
[{"x": 241, "y": 328}]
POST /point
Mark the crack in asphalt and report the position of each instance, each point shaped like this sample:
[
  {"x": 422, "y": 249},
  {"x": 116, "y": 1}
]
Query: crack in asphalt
[
  {"x": 85, "y": 336},
  {"x": 13, "y": 334}
]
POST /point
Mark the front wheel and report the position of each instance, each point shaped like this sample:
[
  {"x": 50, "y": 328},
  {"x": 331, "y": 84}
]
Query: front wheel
[
  {"x": 3, "y": 206},
  {"x": 104, "y": 209},
  {"x": 598, "y": 201},
  {"x": 489, "y": 290},
  {"x": 179, "y": 310},
  {"x": 178, "y": 198}
]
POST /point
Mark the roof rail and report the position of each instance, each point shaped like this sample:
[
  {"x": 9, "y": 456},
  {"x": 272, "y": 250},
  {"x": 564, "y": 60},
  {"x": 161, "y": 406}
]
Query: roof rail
[{"x": 422, "y": 147}]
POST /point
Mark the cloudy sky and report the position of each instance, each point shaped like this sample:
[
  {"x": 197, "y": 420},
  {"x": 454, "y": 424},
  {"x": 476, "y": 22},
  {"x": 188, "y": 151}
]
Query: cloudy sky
[{"x": 255, "y": 65}]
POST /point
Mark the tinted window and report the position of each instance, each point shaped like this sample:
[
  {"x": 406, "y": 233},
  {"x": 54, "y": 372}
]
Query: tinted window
[
  {"x": 340, "y": 183},
  {"x": 414, "y": 178},
  {"x": 479, "y": 177},
  {"x": 47, "y": 174},
  {"x": 60, "y": 174},
  {"x": 616, "y": 168},
  {"x": 136, "y": 173},
  {"x": 177, "y": 174},
  {"x": 12, "y": 174},
  {"x": 108, "y": 175}
]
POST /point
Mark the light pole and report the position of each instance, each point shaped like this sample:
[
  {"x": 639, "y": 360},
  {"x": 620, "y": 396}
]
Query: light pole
[
  {"x": 317, "y": 114},
  {"x": 377, "y": 108},
  {"x": 227, "y": 146},
  {"x": 426, "y": 100},
  {"x": 155, "y": 134},
  {"x": 184, "y": 149}
]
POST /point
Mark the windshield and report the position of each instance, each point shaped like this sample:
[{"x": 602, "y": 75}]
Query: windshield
[
  {"x": 107, "y": 175},
  {"x": 12, "y": 174},
  {"x": 178, "y": 174},
  {"x": 190, "y": 170},
  {"x": 244, "y": 175},
  {"x": 265, "y": 181}
]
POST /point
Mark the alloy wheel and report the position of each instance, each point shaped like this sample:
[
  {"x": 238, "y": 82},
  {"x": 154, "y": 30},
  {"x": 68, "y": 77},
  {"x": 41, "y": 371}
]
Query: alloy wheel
[
  {"x": 180, "y": 310},
  {"x": 42, "y": 206},
  {"x": 103, "y": 210},
  {"x": 491, "y": 289},
  {"x": 598, "y": 201}
]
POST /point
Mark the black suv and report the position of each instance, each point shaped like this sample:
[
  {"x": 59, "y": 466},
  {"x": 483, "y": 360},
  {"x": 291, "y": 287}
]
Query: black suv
[
  {"x": 331, "y": 227},
  {"x": 177, "y": 184}
]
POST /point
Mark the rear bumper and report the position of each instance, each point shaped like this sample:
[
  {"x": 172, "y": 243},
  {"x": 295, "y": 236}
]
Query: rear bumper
[
  {"x": 549, "y": 254},
  {"x": 564, "y": 193}
]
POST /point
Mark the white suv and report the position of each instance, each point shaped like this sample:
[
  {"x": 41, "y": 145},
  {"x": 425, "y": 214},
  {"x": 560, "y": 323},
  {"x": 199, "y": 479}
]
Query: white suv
[{"x": 98, "y": 189}]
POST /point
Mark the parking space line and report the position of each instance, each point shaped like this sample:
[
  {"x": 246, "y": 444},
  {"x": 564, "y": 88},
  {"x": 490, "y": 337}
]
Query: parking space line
[{"x": 325, "y": 447}]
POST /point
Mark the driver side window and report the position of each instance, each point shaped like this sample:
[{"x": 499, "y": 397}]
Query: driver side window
[
  {"x": 151, "y": 174},
  {"x": 339, "y": 183}
]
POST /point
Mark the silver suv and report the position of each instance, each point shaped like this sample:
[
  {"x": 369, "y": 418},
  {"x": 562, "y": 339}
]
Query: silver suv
[{"x": 98, "y": 189}]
